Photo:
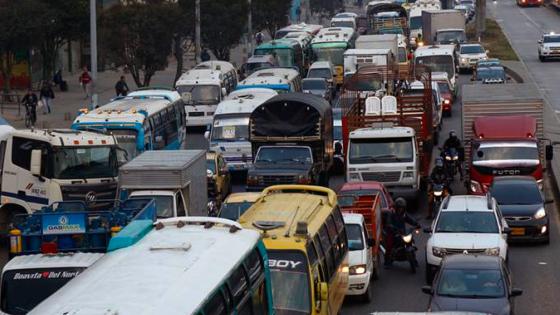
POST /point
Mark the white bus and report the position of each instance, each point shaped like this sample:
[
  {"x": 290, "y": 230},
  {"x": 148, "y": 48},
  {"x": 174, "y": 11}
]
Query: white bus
[
  {"x": 188, "y": 265},
  {"x": 230, "y": 129},
  {"x": 203, "y": 88},
  {"x": 282, "y": 80}
]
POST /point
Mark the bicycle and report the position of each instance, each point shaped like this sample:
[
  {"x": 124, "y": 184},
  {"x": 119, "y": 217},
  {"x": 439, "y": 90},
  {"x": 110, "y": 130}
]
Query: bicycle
[{"x": 30, "y": 115}]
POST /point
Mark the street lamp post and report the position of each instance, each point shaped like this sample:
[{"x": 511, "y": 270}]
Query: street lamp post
[{"x": 93, "y": 50}]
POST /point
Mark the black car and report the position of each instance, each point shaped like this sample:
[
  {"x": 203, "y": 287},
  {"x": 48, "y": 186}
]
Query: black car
[
  {"x": 472, "y": 283},
  {"x": 317, "y": 86},
  {"x": 523, "y": 206}
]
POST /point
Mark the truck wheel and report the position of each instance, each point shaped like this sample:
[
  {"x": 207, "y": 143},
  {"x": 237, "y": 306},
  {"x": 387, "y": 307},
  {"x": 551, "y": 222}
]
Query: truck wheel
[
  {"x": 368, "y": 295},
  {"x": 436, "y": 137},
  {"x": 429, "y": 274},
  {"x": 376, "y": 264},
  {"x": 541, "y": 58}
]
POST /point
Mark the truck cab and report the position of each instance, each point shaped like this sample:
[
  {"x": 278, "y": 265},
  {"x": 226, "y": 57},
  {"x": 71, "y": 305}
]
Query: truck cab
[
  {"x": 388, "y": 155},
  {"x": 169, "y": 203}
]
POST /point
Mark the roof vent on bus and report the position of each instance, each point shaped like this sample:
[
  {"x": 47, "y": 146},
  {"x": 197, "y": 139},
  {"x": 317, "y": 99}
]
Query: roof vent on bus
[
  {"x": 301, "y": 228},
  {"x": 181, "y": 246}
]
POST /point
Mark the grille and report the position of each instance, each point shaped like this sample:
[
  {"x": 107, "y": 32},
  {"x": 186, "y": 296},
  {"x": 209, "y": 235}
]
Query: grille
[
  {"x": 460, "y": 251},
  {"x": 100, "y": 191},
  {"x": 268, "y": 180},
  {"x": 382, "y": 176},
  {"x": 196, "y": 114},
  {"x": 518, "y": 218}
]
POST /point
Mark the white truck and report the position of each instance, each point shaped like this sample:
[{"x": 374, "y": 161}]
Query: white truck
[
  {"x": 176, "y": 180},
  {"x": 443, "y": 27},
  {"x": 380, "y": 41},
  {"x": 356, "y": 58},
  {"x": 230, "y": 129},
  {"x": 40, "y": 167},
  {"x": 415, "y": 19}
]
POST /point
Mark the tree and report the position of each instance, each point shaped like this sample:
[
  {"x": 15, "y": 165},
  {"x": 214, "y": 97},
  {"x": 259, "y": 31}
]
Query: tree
[
  {"x": 326, "y": 8},
  {"x": 61, "y": 21},
  {"x": 270, "y": 15},
  {"x": 19, "y": 24},
  {"x": 139, "y": 37}
]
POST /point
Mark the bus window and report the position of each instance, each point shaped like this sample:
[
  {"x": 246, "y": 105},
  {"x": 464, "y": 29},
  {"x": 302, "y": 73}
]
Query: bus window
[
  {"x": 216, "y": 305},
  {"x": 327, "y": 248},
  {"x": 237, "y": 283},
  {"x": 253, "y": 263}
]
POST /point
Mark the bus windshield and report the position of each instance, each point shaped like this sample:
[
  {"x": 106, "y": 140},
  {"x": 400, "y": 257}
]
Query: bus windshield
[
  {"x": 22, "y": 290},
  {"x": 441, "y": 63},
  {"x": 201, "y": 94},
  {"x": 290, "y": 282},
  {"x": 85, "y": 162},
  {"x": 334, "y": 55},
  {"x": 381, "y": 150},
  {"x": 284, "y": 56},
  {"x": 232, "y": 129},
  {"x": 126, "y": 138}
]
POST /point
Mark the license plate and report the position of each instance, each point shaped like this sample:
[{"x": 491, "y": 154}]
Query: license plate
[{"x": 517, "y": 231}]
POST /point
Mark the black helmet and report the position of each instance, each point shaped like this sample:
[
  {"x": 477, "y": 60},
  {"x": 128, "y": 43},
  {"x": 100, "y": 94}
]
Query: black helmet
[
  {"x": 439, "y": 162},
  {"x": 400, "y": 203},
  {"x": 452, "y": 134}
]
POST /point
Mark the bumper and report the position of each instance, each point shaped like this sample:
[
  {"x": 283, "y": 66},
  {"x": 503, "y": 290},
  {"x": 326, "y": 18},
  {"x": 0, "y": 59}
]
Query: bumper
[
  {"x": 550, "y": 53},
  {"x": 446, "y": 107},
  {"x": 529, "y": 231},
  {"x": 433, "y": 261},
  {"x": 238, "y": 167},
  {"x": 358, "y": 284},
  {"x": 198, "y": 121}
]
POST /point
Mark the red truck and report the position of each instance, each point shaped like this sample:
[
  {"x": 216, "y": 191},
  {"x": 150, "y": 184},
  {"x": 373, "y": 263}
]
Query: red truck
[{"x": 503, "y": 133}]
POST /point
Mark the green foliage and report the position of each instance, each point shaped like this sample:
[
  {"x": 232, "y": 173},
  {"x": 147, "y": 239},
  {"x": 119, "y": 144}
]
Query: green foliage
[
  {"x": 270, "y": 15},
  {"x": 326, "y": 8},
  {"x": 139, "y": 37}
]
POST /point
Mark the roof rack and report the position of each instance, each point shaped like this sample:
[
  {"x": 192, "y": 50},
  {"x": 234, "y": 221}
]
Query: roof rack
[{"x": 318, "y": 190}]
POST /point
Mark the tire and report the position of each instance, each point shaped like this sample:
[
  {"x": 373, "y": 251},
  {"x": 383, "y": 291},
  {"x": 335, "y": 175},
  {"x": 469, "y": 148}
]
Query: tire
[
  {"x": 412, "y": 263},
  {"x": 376, "y": 264},
  {"x": 541, "y": 58},
  {"x": 368, "y": 295},
  {"x": 436, "y": 136},
  {"x": 429, "y": 274}
]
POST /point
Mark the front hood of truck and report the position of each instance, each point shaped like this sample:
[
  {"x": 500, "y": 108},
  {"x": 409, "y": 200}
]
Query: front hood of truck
[{"x": 279, "y": 169}]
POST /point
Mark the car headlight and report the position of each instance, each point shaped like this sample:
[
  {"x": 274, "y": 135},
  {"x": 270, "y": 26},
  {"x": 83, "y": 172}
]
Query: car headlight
[
  {"x": 438, "y": 193},
  {"x": 541, "y": 213},
  {"x": 407, "y": 238},
  {"x": 358, "y": 269},
  {"x": 494, "y": 251},
  {"x": 541, "y": 184},
  {"x": 463, "y": 60},
  {"x": 438, "y": 251},
  {"x": 448, "y": 157},
  {"x": 475, "y": 186},
  {"x": 446, "y": 102},
  {"x": 355, "y": 176},
  {"x": 407, "y": 175},
  {"x": 209, "y": 173}
]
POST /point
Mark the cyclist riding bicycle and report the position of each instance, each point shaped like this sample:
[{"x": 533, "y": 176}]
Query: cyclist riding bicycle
[{"x": 30, "y": 101}]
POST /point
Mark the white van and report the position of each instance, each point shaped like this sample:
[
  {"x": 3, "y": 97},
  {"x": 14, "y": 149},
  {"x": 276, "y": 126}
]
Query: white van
[
  {"x": 360, "y": 261},
  {"x": 230, "y": 129},
  {"x": 203, "y": 88}
]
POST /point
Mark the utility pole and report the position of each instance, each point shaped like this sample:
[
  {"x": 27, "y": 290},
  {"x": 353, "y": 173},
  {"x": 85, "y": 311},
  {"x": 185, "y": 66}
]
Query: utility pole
[
  {"x": 93, "y": 50},
  {"x": 197, "y": 30},
  {"x": 250, "y": 30},
  {"x": 480, "y": 15}
]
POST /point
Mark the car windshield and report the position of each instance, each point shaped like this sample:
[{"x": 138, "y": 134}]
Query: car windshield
[
  {"x": 284, "y": 56},
  {"x": 126, "y": 138},
  {"x": 416, "y": 22},
  {"x": 516, "y": 192},
  {"x": 232, "y": 129},
  {"x": 381, "y": 150},
  {"x": 490, "y": 73},
  {"x": 22, "y": 290},
  {"x": 319, "y": 73},
  {"x": 551, "y": 39},
  {"x": 371, "y": 84},
  {"x": 471, "y": 283},
  {"x": 85, "y": 162},
  {"x": 450, "y": 36},
  {"x": 342, "y": 24},
  {"x": 355, "y": 238},
  {"x": 290, "y": 282},
  {"x": 347, "y": 197},
  {"x": 200, "y": 94},
  {"x": 314, "y": 85},
  {"x": 233, "y": 210},
  {"x": 467, "y": 222},
  {"x": 444, "y": 88},
  {"x": 164, "y": 204},
  {"x": 442, "y": 63},
  {"x": 334, "y": 55},
  {"x": 472, "y": 49},
  {"x": 505, "y": 152},
  {"x": 284, "y": 155}
]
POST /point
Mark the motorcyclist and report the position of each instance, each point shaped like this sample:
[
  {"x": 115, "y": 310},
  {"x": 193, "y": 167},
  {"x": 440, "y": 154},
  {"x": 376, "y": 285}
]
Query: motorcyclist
[
  {"x": 439, "y": 176},
  {"x": 454, "y": 142},
  {"x": 396, "y": 225}
]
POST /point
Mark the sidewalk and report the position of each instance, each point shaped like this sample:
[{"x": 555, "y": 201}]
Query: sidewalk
[{"x": 66, "y": 105}]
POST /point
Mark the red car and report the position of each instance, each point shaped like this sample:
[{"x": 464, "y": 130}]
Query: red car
[
  {"x": 527, "y": 3},
  {"x": 368, "y": 188},
  {"x": 447, "y": 95}
]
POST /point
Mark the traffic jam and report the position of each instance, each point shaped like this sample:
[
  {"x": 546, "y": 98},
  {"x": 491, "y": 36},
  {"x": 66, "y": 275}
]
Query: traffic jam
[{"x": 329, "y": 160}]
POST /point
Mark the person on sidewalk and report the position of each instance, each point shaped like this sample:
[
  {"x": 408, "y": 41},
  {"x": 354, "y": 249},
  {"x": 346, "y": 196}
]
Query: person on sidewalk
[
  {"x": 85, "y": 80},
  {"x": 46, "y": 95},
  {"x": 121, "y": 88},
  {"x": 204, "y": 55}
]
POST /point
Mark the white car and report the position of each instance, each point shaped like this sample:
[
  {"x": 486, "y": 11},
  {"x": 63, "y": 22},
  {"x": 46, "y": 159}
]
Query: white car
[
  {"x": 549, "y": 46},
  {"x": 466, "y": 225},
  {"x": 360, "y": 260},
  {"x": 468, "y": 55}
]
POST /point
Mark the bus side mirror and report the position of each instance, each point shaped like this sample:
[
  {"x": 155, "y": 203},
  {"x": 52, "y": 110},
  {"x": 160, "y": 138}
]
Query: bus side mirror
[
  {"x": 35, "y": 166},
  {"x": 324, "y": 291},
  {"x": 224, "y": 92},
  {"x": 549, "y": 152},
  {"x": 207, "y": 135}
]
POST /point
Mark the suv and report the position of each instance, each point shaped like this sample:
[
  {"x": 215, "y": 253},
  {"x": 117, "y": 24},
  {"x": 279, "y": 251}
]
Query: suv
[
  {"x": 466, "y": 225},
  {"x": 549, "y": 46},
  {"x": 467, "y": 55}
]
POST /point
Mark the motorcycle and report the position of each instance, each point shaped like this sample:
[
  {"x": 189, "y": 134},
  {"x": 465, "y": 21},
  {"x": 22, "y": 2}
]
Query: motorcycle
[
  {"x": 439, "y": 191},
  {"x": 405, "y": 250},
  {"x": 452, "y": 162}
]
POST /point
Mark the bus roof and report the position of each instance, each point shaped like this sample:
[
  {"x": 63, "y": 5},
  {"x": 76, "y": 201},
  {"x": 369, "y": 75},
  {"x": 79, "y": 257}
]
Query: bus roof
[
  {"x": 243, "y": 103},
  {"x": 66, "y": 260},
  {"x": 172, "y": 95},
  {"x": 282, "y": 43},
  {"x": 171, "y": 270},
  {"x": 256, "y": 92},
  {"x": 200, "y": 76},
  {"x": 333, "y": 34},
  {"x": 270, "y": 76},
  {"x": 435, "y": 50},
  {"x": 128, "y": 109},
  {"x": 216, "y": 65},
  {"x": 287, "y": 208}
]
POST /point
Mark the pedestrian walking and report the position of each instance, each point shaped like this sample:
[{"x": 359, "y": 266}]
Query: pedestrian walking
[
  {"x": 46, "y": 95},
  {"x": 204, "y": 55},
  {"x": 121, "y": 88},
  {"x": 86, "y": 80},
  {"x": 259, "y": 37}
]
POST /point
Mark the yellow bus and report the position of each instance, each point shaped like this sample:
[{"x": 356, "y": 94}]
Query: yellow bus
[{"x": 305, "y": 239}]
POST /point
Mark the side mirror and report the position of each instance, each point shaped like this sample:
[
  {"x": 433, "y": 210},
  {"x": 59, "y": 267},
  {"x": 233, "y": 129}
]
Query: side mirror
[
  {"x": 35, "y": 162},
  {"x": 324, "y": 291},
  {"x": 516, "y": 292},
  {"x": 428, "y": 290},
  {"x": 506, "y": 230},
  {"x": 539, "y": 41},
  {"x": 207, "y": 135},
  {"x": 427, "y": 230},
  {"x": 224, "y": 92},
  {"x": 549, "y": 152}
]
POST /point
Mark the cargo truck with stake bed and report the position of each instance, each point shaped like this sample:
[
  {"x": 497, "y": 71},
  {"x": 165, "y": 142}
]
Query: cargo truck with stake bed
[
  {"x": 176, "y": 180},
  {"x": 503, "y": 133}
]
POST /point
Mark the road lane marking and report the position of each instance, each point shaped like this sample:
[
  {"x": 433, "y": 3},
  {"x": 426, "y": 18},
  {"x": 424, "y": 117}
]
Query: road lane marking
[{"x": 542, "y": 263}]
